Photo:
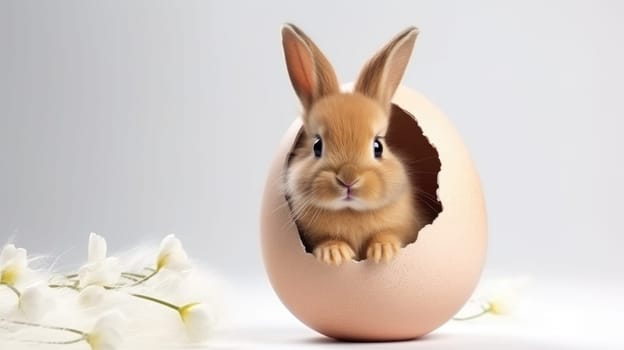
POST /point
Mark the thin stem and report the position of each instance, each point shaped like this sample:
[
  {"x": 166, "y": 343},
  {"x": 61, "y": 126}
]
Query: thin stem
[
  {"x": 63, "y": 286},
  {"x": 484, "y": 310},
  {"x": 158, "y": 301},
  {"x": 30, "y": 324},
  {"x": 136, "y": 283},
  {"x": 13, "y": 289},
  {"x": 145, "y": 279},
  {"x": 137, "y": 275},
  {"x": 129, "y": 278},
  {"x": 66, "y": 342}
]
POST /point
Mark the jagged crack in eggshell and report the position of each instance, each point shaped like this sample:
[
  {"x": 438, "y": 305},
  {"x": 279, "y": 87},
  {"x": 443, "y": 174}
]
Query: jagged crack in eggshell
[{"x": 422, "y": 288}]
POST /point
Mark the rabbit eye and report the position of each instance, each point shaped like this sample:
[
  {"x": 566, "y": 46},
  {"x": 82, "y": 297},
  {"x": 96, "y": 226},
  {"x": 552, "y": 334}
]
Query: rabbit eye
[
  {"x": 377, "y": 148},
  {"x": 318, "y": 147}
]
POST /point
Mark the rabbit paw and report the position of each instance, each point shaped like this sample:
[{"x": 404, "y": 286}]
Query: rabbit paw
[
  {"x": 383, "y": 248},
  {"x": 334, "y": 252}
]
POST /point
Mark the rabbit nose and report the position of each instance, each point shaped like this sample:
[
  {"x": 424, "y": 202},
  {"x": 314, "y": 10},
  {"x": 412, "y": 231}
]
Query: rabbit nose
[
  {"x": 344, "y": 183},
  {"x": 347, "y": 176}
]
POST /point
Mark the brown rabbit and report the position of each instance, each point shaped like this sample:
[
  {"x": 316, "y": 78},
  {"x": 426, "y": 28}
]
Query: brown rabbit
[{"x": 350, "y": 195}]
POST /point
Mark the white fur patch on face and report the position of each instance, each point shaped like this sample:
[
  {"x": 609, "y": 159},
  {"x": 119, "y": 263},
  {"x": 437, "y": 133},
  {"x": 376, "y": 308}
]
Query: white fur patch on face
[
  {"x": 289, "y": 183},
  {"x": 353, "y": 203}
]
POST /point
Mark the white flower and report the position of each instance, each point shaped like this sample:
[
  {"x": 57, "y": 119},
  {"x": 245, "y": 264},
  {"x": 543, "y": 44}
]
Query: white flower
[
  {"x": 504, "y": 296},
  {"x": 91, "y": 295},
  {"x": 103, "y": 273},
  {"x": 13, "y": 264},
  {"x": 503, "y": 304},
  {"x": 106, "y": 334},
  {"x": 99, "y": 270},
  {"x": 34, "y": 303},
  {"x": 172, "y": 255},
  {"x": 198, "y": 320}
]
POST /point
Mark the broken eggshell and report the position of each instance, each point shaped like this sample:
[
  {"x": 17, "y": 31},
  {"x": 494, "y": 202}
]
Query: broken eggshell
[{"x": 424, "y": 285}]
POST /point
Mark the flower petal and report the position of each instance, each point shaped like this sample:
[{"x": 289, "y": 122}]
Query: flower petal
[
  {"x": 13, "y": 264},
  {"x": 105, "y": 272},
  {"x": 172, "y": 255},
  {"x": 34, "y": 303},
  {"x": 97, "y": 247},
  {"x": 7, "y": 253},
  {"x": 106, "y": 333},
  {"x": 503, "y": 296},
  {"x": 199, "y": 321},
  {"x": 91, "y": 295}
]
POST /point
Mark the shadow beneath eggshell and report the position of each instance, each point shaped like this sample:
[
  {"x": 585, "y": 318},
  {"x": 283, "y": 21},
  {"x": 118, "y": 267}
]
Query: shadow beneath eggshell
[
  {"x": 326, "y": 340},
  {"x": 447, "y": 342},
  {"x": 301, "y": 338}
]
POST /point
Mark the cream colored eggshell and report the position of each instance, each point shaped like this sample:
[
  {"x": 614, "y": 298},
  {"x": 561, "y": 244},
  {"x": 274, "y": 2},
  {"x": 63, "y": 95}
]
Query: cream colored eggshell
[{"x": 422, "y": 288}]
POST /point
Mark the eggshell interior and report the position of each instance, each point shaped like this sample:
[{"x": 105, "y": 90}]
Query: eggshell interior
[{"x": 427, "y": 282}]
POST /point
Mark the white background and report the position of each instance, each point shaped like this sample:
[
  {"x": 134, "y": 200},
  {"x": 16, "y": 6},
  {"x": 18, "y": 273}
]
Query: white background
[{"x": 136, "y": 119}]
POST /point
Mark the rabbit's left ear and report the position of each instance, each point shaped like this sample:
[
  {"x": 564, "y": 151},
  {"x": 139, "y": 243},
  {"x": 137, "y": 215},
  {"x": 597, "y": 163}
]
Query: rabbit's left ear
[
  {"x": 310, "y": 72},
  {"x": 382, "y": 74}
]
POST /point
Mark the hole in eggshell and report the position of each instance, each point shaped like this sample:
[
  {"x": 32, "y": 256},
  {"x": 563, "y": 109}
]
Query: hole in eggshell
[{"x": 406, "y": 140}]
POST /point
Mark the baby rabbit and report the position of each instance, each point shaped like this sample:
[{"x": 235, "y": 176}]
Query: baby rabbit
[{"x": 349, "y": 194}]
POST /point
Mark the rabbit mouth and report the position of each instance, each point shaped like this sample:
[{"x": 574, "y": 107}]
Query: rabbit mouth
[
  {"x": 347, "y": 200},
  {"x": 348, "y": 195}
]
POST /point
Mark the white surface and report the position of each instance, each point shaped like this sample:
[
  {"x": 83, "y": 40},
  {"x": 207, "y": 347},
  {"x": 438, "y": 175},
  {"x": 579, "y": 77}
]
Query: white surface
[
  {"x": 555, "y": 316},
  {"x": 136, "y": 119}
]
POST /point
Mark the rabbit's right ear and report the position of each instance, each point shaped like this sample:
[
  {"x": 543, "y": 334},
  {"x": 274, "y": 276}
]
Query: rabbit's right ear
[
  {"x": 381, "y": 76},
  {"x": 311, "y": 74}
]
